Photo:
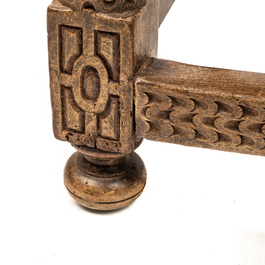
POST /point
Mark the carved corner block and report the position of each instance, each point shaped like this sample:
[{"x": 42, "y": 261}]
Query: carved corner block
[
  {"x": 95, "y": 49},
  {"x": 93, "y": 57}
]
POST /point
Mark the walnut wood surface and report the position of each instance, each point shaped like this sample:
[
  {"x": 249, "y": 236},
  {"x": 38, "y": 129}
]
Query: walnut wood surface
[
  {"x": 108, "y": 93},
  {"x": 199, "y": 106},
  {"x": 95, "y": 48},
  {"x": 93, "y": 57},
  {"x": 105, "y": 184}
]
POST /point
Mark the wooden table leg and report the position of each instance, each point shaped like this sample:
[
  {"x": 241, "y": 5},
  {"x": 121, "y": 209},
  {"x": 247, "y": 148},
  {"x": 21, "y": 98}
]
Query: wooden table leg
[{"x": 95, "y": 48}]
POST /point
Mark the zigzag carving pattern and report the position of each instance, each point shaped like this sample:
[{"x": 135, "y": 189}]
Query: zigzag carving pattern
[{"x": 199, "y": 121}]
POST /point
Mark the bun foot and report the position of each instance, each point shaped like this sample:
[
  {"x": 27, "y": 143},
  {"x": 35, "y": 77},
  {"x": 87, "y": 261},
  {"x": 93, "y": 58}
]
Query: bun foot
[{"x": 102, "y": 181}]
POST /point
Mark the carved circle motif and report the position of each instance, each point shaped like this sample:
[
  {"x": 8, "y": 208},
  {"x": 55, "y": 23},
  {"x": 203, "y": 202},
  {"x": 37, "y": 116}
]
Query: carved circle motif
[{"x": 90, "y": 84}]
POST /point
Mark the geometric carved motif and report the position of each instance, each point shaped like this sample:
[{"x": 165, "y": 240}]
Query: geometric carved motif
[
  {"x": 92, "y": 96},
  {"x": 70, "y": 47},
  {"x": 108, "y": 49},
  {"x": 209, "y": 123},
  {"x": 108, "y": 118},
  {"x": 179, "y": 103},
  {"x": 73, "y": 117}
]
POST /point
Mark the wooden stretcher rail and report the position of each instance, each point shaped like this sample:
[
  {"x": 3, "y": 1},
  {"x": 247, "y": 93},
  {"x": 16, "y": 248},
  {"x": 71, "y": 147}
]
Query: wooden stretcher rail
[{"x": 202, "y": 107}]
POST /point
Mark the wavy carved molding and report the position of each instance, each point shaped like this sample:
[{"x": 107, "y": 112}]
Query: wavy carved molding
[{"x": 182, "y": 115}]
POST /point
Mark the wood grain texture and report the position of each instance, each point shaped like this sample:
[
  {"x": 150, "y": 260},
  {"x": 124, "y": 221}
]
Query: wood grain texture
[
  {"x": 93, "y": 57},
  {"x": 95, "y": 49},
  {"x": 108, "y": 186},
  {"x": 108, "y": 92},
  {"x": 202, "y": 107}
]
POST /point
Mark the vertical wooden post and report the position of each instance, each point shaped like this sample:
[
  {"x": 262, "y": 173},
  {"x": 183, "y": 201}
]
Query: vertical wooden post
[{"x": 95, "y": 49}]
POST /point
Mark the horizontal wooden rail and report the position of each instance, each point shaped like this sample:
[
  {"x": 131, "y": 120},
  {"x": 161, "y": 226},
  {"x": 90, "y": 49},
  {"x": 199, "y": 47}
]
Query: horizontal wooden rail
[{"x": 199, "y": 106}]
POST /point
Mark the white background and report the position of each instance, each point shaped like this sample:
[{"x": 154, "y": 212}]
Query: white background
[{"x": 199, "y": 206}]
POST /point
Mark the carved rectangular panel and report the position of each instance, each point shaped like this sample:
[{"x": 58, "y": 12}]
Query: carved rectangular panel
[
  {"x": 71, "y": 47},
  {"x": 109, "y": 121},
  {"x": 108, "y": 49},
  {"x": 73, "y": 117},
  {"x": 92, "y": 61},
  {"x": 198, "y": 106}
]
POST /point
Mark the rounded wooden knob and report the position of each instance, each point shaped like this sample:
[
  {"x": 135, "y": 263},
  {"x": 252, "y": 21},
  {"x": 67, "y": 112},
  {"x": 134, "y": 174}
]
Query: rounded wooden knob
[{"x": 105, "y": 183}]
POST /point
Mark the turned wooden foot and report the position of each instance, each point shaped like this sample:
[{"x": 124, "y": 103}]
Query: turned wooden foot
[{"x": 103, "y": 181}]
